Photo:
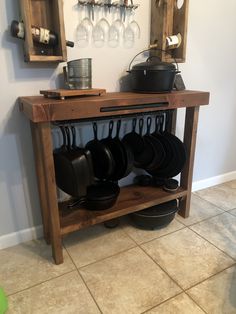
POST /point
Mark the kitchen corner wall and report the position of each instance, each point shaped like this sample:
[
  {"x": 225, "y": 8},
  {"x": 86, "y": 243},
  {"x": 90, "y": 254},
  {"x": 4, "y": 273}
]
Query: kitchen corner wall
[{"x": 210, "y": 66}]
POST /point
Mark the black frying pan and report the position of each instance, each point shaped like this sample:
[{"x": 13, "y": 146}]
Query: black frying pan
[
  {"x": 72, "y": 168},
  {"x": 159, "y": 152},
  {"x": 175, "y": 151},
  {"x": 100, "y": 196},
  {"x": 134, "y": 140},
  {"x": 169, "y": 155},
  {"x": 103, "y": 161},
  {"x": 146, "y": 155},
  {"x": 122, "y": 155}
]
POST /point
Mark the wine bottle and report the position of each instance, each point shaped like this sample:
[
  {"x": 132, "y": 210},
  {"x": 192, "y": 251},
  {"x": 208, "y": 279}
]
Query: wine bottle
[
  {"x": 174, "y": 41},
  {"x": 39, "y": 34}
]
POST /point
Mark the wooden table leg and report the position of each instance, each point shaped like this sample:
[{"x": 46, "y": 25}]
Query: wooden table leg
[
  {"x": 190, "y": 134},
  {"x": 41, "y": 180},
  {"x": 44, "y": 130}
]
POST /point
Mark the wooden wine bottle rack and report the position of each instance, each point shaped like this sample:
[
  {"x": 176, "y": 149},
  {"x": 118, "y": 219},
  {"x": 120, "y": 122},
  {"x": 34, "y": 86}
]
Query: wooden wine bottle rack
[
  {"x": 168, "y": 19},
  {"x": 57, "y": 219},
  {"x": 47, "y": 14}
]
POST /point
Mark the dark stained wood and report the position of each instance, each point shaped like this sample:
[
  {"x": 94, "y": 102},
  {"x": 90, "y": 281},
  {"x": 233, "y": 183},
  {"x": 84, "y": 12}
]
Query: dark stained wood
[
  {"x": 190, "y": 135},
  {"x": 180, "y": 25},
  {"x": 47, "y": 14},
  {"x": 39, "y": 166},
  {"x": 167, "y": 20},
  {"x": 57, "y": 218},
  {"x": 50, "y": 184},
  {"x": 62, "y": 93},
  {"x": 41, "y": 109},
  {"x": 131, "y": 199}
]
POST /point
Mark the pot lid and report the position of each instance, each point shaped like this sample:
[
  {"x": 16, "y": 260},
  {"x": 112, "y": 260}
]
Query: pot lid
[{"x": 154, "y": 64}]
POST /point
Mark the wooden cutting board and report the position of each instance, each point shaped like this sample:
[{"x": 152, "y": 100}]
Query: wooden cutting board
[{"x": 63, "y": 93}]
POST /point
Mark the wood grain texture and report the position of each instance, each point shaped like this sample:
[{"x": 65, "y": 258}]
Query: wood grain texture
[
  {"x": 167, "y": 20},
  {"x": 39, "y": 167},
  {"x": 57, "y": 218},
  {"x": 41, "y": 109},
  {"x": 44, "y": 130},
  {"x": 61, "y": 93},
  {"x": 131, "y": 199},
  {"x": 47, "y": 14},
  {"x": 190, "y": 136}
]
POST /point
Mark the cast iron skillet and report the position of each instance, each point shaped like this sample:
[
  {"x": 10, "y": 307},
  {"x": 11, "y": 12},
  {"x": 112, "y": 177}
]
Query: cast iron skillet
[
  {"x": 100, "y": 196},
  {"x": 134, "y": 140},
  {"x": 177, "y": 155},
  {"x": 179, "y": 148},
  {"x": 73, "y": 167},
  {"x": 146, "y": 155},
  {"x": 103, "y": 161},
  {"x": 122, "y": 155},
  {"x": 157, "y": 147},
  {"x": 165, "y": 143}
]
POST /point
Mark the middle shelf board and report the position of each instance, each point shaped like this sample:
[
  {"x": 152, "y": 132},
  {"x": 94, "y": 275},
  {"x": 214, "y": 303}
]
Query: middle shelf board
[{"x": 131, "y": 199}]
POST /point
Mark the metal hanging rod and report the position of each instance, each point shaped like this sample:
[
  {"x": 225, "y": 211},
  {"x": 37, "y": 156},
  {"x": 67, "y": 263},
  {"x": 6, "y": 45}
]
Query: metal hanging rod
[
  {"x": 108, "y": 4},
  {"x": 115, "y": 117}
]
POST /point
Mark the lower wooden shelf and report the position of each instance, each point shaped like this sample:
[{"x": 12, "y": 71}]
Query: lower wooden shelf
[{"x": 132, "y": 198}]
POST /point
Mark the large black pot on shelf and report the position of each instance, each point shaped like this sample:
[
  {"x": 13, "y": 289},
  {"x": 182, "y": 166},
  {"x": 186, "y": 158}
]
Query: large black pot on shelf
[
  {"x": 153, "y": 75},
  {"x": 155, "y": 217}
]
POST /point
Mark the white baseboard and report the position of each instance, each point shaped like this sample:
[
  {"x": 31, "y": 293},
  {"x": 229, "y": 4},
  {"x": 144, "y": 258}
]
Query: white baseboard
[
  {"x": 206, "y": 183},
  {"x": 21, "y": 236},
  {"x": 25, "y": 235}
]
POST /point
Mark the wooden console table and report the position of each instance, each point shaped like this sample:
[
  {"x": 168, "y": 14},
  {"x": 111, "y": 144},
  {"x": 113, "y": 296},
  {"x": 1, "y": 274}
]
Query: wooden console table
[{"x": 41, "y": 111}]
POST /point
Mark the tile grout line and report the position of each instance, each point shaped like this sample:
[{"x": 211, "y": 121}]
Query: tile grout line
[
  {"x": 161, "y": 268},
  {"x": 234, "y": 259},
  {"x": 164, "y": 235},
  {"x": 104, "y": 258},
  {"x": 136, "y": 245},
  {"x": 184, "y": 290},
  {"x": 229, "y": 212},
  {"x": 210, "y": 277},
  {"x": 162, "y": 303},
  {"x": 225, "y": 210},
  {"x": 205, "y": 219},
  {"x": 196, "y": 303},
  {"x": 40, "y": 283},
  {"x": 80, "y": 275}
]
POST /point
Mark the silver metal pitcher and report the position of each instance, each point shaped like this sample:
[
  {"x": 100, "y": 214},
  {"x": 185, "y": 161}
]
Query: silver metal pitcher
[{"x": 78, "y": 74}]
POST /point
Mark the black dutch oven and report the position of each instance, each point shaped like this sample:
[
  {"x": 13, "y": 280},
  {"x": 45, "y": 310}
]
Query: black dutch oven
[
  {"x": 153, "y": 76},
  {"x": 157, "y": 216}
]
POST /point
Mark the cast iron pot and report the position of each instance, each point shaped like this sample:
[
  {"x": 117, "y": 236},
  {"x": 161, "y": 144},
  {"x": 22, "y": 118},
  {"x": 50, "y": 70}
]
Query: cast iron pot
[
  {"x": 157, "y": 216},
  {"x": 153, "y": 76}
]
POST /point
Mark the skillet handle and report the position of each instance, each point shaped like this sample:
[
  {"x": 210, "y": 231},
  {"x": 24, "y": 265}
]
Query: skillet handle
[
  {"x": 149, "y": 124},
  {"x": 134, "y": 123},
  {"x": 63, "y": 132},
  {"x": 73, "y": 131},
  {"x": 111, "y": 125},
  {"x": 157, "y": 124},
  {"x": 95, "y": 131},
  {"x": 141, "y": 122},
  {"x": 68, "y": 135},
  {"x": 118, "y": 126}
]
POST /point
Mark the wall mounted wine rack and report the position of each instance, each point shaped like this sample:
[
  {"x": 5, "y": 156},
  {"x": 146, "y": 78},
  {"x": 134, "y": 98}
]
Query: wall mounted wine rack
[
  {"x": 168, "y": 18},
  {"x": 49, "y": 15}
]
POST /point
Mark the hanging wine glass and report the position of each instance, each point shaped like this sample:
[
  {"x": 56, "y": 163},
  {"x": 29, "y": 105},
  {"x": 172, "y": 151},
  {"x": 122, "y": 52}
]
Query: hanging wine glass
[
  {"x": 133, "y": 24},
  {"x": 116, "y": 29},
  {"x": 84, "y": 30},
  {"x": 129, "y": 37},
  {"x": 101, "y": 29}
]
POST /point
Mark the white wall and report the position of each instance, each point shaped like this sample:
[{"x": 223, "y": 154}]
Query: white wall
[{"x": 210, "y": 66}]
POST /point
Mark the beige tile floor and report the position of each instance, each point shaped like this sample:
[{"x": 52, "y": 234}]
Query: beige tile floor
[{"x": 188, "y": 267}]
